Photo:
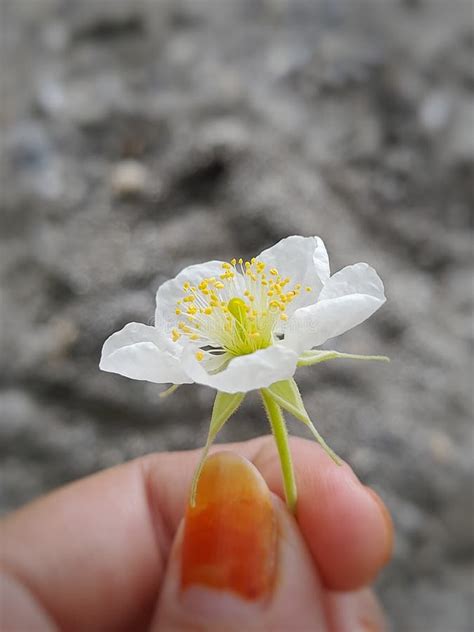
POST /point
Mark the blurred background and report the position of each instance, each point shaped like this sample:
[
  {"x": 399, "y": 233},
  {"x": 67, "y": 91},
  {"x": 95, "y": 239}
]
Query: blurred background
[{"x": 140, "y": 136}]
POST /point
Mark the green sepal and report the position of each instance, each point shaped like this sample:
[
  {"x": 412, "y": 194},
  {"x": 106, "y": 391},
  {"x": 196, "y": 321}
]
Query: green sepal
[
  {"x": 308, "y": 358},
  {"x": 169, "y": 391},
  {"x": 287, "y": 395},
  {"x": 224, "y": 407}
]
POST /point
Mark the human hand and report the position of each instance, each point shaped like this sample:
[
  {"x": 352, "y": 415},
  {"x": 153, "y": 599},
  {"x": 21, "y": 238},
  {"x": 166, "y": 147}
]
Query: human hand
[{"x": 112, "y": 552}]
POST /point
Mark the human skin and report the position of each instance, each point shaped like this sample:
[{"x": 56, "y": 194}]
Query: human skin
[{"x": 105, "y": 552}]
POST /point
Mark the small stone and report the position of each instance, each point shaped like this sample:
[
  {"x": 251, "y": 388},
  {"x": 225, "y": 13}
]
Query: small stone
[
  {"x": 459, "y": 146},
  {"x": 435, "y": 111},
  {"x": 442, "y": 448},
  {"x": 225, "y": 134},
  {"x": 129, "y": 178},
  {"x": 50, "y": 97}
]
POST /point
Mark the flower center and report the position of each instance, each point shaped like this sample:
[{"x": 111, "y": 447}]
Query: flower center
[{"x": 238, "y": 312}]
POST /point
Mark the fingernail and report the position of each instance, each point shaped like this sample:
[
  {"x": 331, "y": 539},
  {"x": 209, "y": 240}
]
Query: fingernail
[
  {"x": 387, "y": 520},
  {"x": 230, "y": 538}
]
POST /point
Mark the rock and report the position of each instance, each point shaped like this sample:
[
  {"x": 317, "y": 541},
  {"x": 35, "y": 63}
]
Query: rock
[
  {"x": 459, "y": 146},
  {"x": 32, "y": 158},
  {"x": 435, "y": 111},
  {"x": 130, "y": 178}
]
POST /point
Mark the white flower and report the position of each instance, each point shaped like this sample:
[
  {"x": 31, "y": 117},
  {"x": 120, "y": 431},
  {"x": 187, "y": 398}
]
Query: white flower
[
  {"x": 242, "y": 326},
  {"x": 246, "y": 325}
]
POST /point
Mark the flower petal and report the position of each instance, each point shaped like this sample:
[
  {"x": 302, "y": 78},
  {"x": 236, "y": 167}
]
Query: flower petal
[
  {"x": 247, "y": 372},
  {"x": 305, "y": 261},
  {"x": 171, "y": 291},
  {"x": 347, "y": 299},
  {"x": 141, "y": 352}
]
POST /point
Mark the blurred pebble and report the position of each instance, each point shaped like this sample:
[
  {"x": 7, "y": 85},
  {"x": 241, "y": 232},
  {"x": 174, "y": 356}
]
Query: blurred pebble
[
  {"x": 50, "y": 97},
  {"x": 442, "y": 448},
  {"x": 227, "y": 134},
  {"x": 130, "y": 178},
  {"x": 435, "y": 111},
  {"x": 32, "y": 160},
  {"x": 460, "y": 144}
]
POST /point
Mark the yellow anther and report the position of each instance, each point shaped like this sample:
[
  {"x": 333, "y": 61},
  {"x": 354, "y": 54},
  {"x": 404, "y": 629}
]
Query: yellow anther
[
  {"x": 226, "y": 266},
  {"x": 199, "y": 355},
  {"x": 219, "y": 285},
  {"x": 186, "y": 285},
  {"x": 233, "y": 261},
  {"x": 175, "y": 335},
  {"x": 251, "y": 297},
  {"x": 181, "y": 325},
  {"x": 177, "y": 311},
  {"x": 270, "y": 293},
  {"x": 273, "y": 271},
  {"x": 283, "y": 316},
  {"x": 308, "y": 289},
  {"x": 194, "y": 337},
  {"x": 298, "y": 286},
  {"x": 208, "y": 310},
  {"x": 241, "y": 261}
]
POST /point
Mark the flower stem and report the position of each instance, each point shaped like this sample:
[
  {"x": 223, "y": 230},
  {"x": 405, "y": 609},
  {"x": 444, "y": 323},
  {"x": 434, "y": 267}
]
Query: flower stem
[{"x": 278, "y": 426}]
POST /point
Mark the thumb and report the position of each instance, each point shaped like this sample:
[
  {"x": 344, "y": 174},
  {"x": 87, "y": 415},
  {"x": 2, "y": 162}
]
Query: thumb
[{"x": 238, "y": 561}]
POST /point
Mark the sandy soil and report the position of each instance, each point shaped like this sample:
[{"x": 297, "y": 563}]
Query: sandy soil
[{"x": 140, "y": 136}]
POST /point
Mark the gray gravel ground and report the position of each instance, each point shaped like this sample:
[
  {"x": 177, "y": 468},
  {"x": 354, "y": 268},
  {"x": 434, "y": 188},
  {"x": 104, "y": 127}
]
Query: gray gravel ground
[{"x": 141, "y": 136}]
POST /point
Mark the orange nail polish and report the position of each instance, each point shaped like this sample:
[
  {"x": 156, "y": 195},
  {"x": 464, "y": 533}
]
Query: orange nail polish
[{"x": 230, "y": 536}]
